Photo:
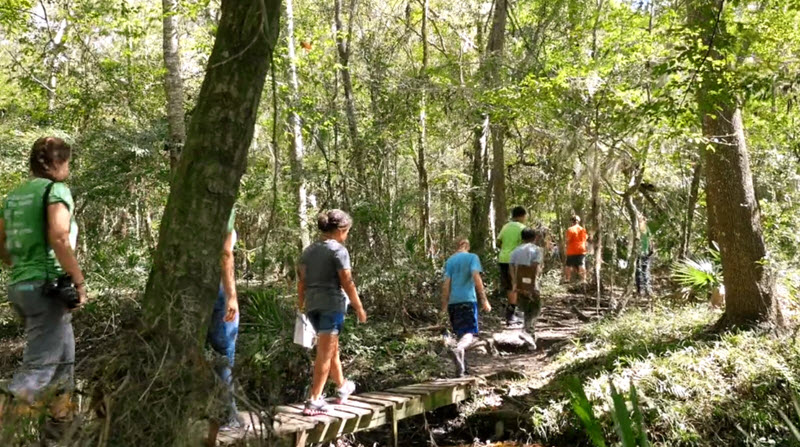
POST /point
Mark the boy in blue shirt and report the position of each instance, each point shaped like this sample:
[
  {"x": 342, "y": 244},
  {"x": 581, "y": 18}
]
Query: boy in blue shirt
[{"x": 460, "y": 291}]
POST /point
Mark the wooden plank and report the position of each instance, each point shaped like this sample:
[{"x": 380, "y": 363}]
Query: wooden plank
[
  {"x": 356, "y": 410},
  {"x": 289, "y": 419},
  {"x": 387, "y": 397},
  {"x": 372, "y": 401},
  {"x": 370, "y": 410},
  {"x": 327, "y": 426},
  {"x": 457, "y": 380},
  {"x": 411, "y": 391},
  {"x": 366, "y": 403},
  {"x": 421, "y": 387}
]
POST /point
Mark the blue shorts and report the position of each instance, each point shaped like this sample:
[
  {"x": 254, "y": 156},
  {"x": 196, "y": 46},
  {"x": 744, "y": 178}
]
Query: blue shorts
[
  {"x": 464, "y": 318},
  {"x": 326, "y": 321}
]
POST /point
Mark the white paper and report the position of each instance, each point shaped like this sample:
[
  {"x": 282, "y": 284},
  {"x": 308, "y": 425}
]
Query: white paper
[{"x": 303, "y": 331}]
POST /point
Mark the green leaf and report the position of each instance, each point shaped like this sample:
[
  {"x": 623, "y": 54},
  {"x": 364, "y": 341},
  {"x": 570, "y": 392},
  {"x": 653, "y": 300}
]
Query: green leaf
[
  {"x": 583, "y": 409},
  {"x": 622, "y": 421},
  {"x": 638, "y": 418}
]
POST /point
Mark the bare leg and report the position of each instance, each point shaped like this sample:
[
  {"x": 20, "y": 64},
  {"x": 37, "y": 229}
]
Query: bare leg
[
  {"x": 582, "y": 273},
  {"x": 465, "y": 341},
  {"x": 337, "y": 374},
  {"x": 512, "y": 298},
  {"x": 327, "y": 349},
  {"x": 567, "y": 273}
]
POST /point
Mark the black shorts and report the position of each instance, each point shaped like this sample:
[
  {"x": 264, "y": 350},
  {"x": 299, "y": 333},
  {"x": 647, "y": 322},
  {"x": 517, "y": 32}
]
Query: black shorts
[
  {"x": 576, "y": 260},
  {"x": 505, "y": 277}
]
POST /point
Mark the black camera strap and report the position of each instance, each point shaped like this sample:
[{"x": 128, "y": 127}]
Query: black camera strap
[{"x": 45, "y": 225}]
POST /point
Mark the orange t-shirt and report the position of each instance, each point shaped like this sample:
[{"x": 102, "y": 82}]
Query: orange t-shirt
[{"x": 576, "y": 240}]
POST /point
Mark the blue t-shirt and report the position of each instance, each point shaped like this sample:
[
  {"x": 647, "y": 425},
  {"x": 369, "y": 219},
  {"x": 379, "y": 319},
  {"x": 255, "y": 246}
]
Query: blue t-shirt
[{"x": 459, "y": 269}]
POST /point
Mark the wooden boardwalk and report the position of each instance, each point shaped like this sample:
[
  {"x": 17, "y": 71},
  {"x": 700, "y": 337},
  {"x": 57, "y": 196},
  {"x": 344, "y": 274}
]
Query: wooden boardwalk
[{"x": 369, "y": 410}]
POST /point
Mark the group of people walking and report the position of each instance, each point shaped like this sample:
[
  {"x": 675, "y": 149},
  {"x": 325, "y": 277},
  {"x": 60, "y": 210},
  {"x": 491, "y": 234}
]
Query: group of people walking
[{"x": 38, "y": 234}]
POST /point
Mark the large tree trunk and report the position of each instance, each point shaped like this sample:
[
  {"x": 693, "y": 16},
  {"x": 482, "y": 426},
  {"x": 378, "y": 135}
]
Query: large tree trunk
[
  {"x": 732, "y": 209},
  {"x": 495, "y": 60},
  {"x": 173, "y": 83},
  {"x": 481, "y": 196},
  {"x": 686, "y": 230},
  {"x": 479, "y": 223},
  {"x": 185, "y": 276},
  {"x": 343, "y": 50},
  {"x": 424, "y": 188},
  {"x": 296, "y": 132}
]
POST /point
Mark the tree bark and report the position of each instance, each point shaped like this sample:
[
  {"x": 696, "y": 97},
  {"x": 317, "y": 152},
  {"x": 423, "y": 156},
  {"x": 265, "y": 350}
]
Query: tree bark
[
  {"x": 481, "y": 196},
  {"x": 296, "y": 132},
  {"x": 186, "y": 264},
  {"x": 185, "y": 276},
  {"x": 688, "y": 221},
  {"x": 343, "y": 41},
  {"x": 732, "y": 209},
  {"x": 495, "y": 61},
  {"x": 424, "y": 188},
  {"x": 479, "y": 217},
  {"x": 173, "y": 83},
  {"x": 596, "y": 218}
]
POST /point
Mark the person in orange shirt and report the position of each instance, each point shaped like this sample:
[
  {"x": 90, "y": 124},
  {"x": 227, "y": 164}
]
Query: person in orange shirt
[{"x": 576, "y": 250}]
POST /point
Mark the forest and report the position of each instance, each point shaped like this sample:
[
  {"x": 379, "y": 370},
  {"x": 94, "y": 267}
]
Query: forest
[{"x": 233, "y": 167}]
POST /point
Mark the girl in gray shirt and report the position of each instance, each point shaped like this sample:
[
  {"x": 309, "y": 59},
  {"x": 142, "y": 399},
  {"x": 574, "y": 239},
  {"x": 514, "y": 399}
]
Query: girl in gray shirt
[{"x": 324, "y": 289}]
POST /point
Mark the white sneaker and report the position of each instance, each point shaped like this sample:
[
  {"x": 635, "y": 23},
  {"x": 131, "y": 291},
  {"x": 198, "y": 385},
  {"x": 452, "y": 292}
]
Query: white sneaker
[
  {"x": 316, "y": 407},
  {"x": 346, "y": 390}
]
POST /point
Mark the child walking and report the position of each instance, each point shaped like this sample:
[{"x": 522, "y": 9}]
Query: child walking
[{"x": 460, "y": 291}]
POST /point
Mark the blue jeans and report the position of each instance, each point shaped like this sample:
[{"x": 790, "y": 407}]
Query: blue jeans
[{"x": 222, "y": 338}]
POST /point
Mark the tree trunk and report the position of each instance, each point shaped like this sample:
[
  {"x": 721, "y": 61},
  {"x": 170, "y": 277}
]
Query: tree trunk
[
  {"x": 688, "y": 221},
  {"x": 732, "y": 209},
  {"x": 53, "y": 62},
  {"x": 495, "y": 61},
  {"x": 482, "y": 201},
  {"x": 343, "y": 40},
  {"x": 635, "y": 238},
  {"x": 173, "y": 83},
  {"x": 596, "y": 217},
  {"x": 479, "y": 223},
  {"x": 185, "y": 276},
  {"x": 424, "y": 188},
  {"x": 296, "y": 131}
]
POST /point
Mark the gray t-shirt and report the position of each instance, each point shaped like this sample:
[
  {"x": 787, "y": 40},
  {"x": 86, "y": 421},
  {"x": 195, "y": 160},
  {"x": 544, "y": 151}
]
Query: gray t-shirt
[
  {"x": 322, "y": 261},
  {"x": 527, "y": 254}
]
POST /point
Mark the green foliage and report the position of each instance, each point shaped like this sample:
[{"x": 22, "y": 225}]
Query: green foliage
[
  {"x": 583, "y": 409},
  {"x": 630, "y": 427},
  {"x": 692, "y": 387},
  {"x": 697, "y": 278}
]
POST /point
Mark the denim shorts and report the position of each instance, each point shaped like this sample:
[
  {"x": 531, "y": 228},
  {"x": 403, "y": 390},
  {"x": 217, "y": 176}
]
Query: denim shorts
[{"x": 326, "y": 321}]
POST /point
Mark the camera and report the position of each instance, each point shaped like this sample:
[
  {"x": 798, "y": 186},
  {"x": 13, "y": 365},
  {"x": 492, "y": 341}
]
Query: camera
[{"x": 63, "y": 289}]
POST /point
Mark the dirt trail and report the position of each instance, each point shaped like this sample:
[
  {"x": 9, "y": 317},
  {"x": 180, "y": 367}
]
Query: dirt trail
[{"x": 557, "y": 326}]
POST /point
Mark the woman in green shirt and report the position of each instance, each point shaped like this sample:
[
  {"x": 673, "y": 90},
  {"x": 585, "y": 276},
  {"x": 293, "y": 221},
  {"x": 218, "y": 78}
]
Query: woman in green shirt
[{"x": 39, "y": 252}]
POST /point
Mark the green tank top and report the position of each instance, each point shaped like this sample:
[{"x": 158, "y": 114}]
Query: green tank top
[{"x": 23, "y": 215}]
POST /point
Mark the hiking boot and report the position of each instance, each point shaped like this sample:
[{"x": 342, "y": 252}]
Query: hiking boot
[
  {"x": 345, "y": 391},
  {"x": 459, "y": 361},
  {"x": 316, "y": 407}
]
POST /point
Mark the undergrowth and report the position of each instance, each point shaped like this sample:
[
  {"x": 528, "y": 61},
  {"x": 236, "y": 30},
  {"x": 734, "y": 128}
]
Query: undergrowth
[{"x": 695, "y": 388}]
